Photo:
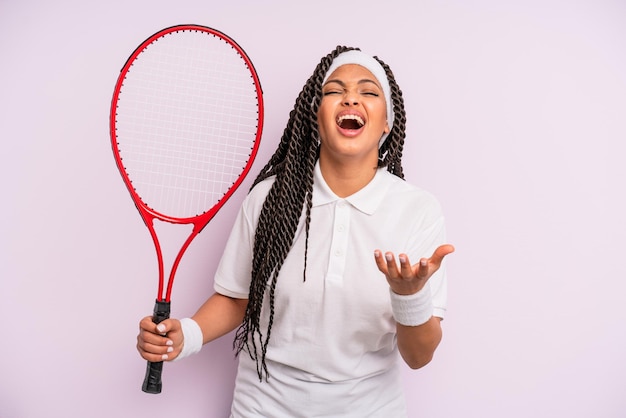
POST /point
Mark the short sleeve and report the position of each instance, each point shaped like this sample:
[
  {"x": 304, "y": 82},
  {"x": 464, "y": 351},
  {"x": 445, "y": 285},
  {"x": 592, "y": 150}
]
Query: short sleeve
[
  {"x": 429, "y": 234},
  {"x": 232, "y": 277}
]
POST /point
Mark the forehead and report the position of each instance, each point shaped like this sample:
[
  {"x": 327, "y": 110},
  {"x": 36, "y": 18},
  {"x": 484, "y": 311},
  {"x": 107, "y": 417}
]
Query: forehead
[{"x": 352, "y": 72}]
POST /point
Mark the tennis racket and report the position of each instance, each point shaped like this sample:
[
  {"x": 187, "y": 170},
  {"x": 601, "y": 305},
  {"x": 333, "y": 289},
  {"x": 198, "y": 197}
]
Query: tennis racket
[{"x": 185, "y": 123}]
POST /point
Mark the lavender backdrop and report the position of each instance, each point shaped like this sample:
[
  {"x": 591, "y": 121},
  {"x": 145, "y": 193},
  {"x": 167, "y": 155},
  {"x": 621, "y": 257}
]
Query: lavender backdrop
[{"x": 516, "y": 122}]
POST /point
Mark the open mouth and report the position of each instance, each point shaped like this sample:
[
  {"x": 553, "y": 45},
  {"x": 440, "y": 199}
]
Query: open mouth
[{"x": 352, "y": 122}]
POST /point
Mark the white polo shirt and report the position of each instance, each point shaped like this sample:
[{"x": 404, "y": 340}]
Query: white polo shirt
[{"x": 332, "y": 351}]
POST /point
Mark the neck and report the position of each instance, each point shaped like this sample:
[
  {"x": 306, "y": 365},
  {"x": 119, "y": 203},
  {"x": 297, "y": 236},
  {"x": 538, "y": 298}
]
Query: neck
[{"x": 344, "y": 178}]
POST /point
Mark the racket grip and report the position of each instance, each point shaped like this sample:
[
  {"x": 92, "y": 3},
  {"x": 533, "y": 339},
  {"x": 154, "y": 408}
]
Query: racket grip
[{"x": 152, "y": 381}]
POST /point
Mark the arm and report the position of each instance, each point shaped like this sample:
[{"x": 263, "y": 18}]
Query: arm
[
  {"x": 218, "y": 316},
  {"x": 416, "y": 344}
]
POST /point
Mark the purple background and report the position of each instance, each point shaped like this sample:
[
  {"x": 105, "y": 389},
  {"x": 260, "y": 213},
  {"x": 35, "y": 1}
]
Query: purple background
[{"x": 516, "y": 113}]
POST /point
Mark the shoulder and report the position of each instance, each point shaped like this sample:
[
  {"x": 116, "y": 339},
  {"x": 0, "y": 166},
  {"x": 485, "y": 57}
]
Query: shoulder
[
  {"x": 253, "y": 202},
  {"x": 410, "y": 194}
]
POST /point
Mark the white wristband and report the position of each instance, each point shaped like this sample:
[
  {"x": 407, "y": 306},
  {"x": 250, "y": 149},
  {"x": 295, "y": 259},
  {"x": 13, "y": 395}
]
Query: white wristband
[
  {"x": 412, "y": 310},
  {"x": 192, "y": 338}
]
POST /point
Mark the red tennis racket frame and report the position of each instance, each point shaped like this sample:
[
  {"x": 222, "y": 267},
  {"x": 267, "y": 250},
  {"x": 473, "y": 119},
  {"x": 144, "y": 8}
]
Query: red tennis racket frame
[
  {"x": 149, "y": 215},
  {"x": 152, "y": 382}
]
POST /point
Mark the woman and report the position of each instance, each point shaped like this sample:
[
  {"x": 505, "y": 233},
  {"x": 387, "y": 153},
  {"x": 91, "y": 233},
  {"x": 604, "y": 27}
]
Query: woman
[{"x": 318, "y": 326}]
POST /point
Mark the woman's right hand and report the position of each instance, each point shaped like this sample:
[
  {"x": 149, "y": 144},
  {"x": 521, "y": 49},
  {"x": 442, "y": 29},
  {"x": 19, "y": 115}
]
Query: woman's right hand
[{"x": 159, "y": 342}]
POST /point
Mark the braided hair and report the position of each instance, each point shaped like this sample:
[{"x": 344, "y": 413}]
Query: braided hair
[{"x": 290, "y": 195}]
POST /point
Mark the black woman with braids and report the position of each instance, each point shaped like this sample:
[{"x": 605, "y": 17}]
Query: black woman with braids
[{"x": 317, "y": 276}]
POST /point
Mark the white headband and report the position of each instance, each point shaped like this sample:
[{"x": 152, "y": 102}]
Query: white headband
[{"x": 366, "y": 61}]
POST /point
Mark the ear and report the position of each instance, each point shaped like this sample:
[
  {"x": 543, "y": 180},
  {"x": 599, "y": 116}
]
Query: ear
[{"x": 387, "y": 129}]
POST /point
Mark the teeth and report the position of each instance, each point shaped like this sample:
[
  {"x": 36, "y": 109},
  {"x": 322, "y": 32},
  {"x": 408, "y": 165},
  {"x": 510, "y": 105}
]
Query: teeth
[{"x": 356, "y": 118}]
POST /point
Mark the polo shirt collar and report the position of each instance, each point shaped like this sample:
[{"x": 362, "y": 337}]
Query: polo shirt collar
[{"x": 366, "y": 200}]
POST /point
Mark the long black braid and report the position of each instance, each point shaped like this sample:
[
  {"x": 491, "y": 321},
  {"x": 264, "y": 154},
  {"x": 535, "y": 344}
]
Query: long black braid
[{"x": 293, "y": 165}]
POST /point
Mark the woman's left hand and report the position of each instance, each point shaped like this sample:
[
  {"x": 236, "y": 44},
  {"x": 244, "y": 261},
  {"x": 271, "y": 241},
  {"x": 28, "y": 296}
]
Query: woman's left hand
[{"x": 409, "y": 279}]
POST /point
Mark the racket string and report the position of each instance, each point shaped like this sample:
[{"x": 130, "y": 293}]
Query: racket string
[{"x": 190, "y": 123}]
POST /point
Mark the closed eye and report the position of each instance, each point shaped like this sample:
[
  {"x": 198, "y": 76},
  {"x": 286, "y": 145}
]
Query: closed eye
[{"x": 365, "y": 93}]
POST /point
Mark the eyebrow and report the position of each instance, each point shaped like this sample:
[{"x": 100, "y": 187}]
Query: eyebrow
[{"x": 362, "y": 81}]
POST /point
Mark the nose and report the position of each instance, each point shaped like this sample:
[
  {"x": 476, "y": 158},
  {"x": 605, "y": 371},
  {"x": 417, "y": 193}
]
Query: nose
[{"x": 350, "y": 98}]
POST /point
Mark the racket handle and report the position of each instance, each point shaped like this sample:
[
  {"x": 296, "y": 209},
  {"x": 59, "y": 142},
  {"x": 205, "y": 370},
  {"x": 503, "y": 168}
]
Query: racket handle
[{"x": 152, "y": 381}]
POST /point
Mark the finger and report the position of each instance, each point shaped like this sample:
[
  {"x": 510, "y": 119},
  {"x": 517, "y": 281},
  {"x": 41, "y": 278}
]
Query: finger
[
  {"x": 155, "y": 347},
  {"x": 153, "y": 334},
  {"x": 147, "y": 324},
  {"x": 162, "y": 328},
  {"x": 392, "y": 267},
  {"x": 380, "y": 261},
  {"x": 405, "y": 266},
  {"x": 440, "y": 253},
  {"x": 423, "y": 268},
  {"x": 154, "y": 338},
  {"x": 151, "y": 343},
  {"x": 155, "y": 353}
]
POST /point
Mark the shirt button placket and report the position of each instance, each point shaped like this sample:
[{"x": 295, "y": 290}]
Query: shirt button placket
[{"x": 339, "y": 242}]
